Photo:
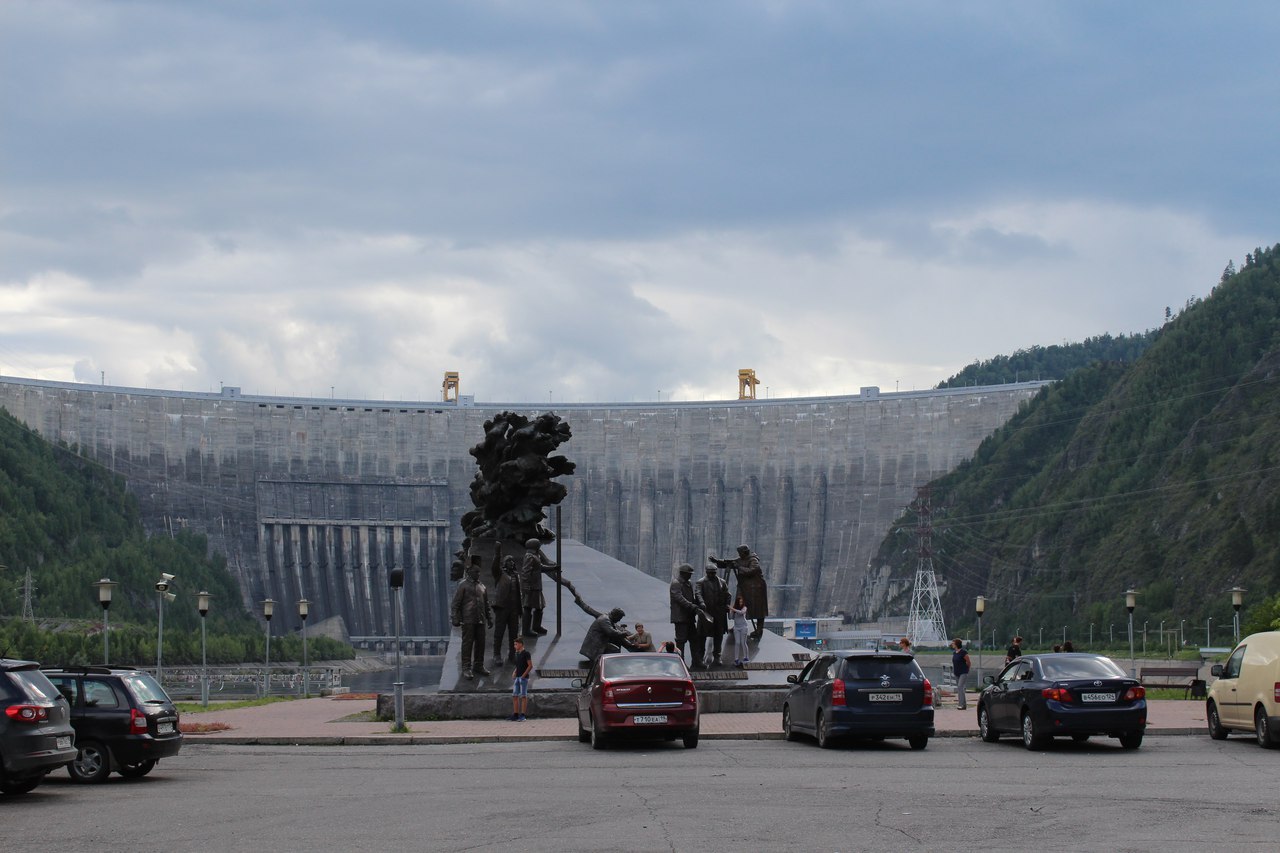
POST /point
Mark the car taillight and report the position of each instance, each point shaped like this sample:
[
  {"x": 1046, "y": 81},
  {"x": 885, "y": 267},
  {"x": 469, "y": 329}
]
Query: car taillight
[
  {"x": 1135, "y": 693},
  {"x": 837, "y": 692},
  {"x": 27, "y": 713},
  {"x": 1057, "y": 694},
  {"x": 1277, "y": 693},
  {"x": 137, "y": 722},
  {"x": 928, "y": 692}
]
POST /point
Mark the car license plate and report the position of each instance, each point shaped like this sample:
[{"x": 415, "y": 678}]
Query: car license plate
[
  {"x": 64, "y": 742},
  {"x": 1097, "y": 697},
  {"x": 885, "y": 697},
  {"x": 650, "y": 719},
  {"x": 164, "y": 728}
]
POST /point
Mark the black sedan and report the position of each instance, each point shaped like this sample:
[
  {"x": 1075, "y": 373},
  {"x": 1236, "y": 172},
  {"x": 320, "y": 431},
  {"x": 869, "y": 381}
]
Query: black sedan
[
  {"x": 1079, "y": 695},
  {"x": 860, "y": 695}
]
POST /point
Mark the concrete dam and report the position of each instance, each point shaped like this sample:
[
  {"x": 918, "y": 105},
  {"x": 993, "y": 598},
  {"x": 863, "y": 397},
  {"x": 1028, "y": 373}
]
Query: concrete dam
[{"x": 322, "y": 498}]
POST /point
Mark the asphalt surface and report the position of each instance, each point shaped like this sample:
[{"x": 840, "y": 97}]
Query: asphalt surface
[{"x": 327, "y": 720}]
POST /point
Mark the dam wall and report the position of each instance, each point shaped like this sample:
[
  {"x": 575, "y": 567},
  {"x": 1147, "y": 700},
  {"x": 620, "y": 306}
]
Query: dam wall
[{"x": 322, "y": 498}]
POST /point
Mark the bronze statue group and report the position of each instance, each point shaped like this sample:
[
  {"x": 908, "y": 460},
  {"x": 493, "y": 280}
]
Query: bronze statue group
[{"x": 703, "y": 612}]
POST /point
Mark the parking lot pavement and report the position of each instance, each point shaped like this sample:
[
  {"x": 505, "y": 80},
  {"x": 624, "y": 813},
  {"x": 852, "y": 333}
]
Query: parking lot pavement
[{"x": 325, "y": 721}]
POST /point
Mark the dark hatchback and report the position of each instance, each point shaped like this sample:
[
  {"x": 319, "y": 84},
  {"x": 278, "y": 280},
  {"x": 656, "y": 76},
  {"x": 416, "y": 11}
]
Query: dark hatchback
[
  {"x": 35, "y": 729},
  {"x": 124, "y": 721},
  {"x": 638, "y": 695},
  {"x": 860, "y": 694},
  {"x": 1079, "y": 695}
]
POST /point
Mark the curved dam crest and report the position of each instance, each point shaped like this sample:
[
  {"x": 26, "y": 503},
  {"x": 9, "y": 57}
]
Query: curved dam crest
[{"x": 321, "y": 498}]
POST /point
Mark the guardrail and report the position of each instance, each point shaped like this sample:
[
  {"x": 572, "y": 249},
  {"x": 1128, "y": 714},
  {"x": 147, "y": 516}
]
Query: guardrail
[{"x": 244, "y": 681}]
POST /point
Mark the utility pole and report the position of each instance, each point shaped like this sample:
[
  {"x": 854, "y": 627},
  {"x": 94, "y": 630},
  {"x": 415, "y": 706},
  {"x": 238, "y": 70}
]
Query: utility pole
[
  {"x": 924, "y": 624},
  {"x": 28, "y": 592}
]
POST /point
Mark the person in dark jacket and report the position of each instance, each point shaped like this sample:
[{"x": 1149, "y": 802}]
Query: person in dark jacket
[{"x": 686, "y": 605}]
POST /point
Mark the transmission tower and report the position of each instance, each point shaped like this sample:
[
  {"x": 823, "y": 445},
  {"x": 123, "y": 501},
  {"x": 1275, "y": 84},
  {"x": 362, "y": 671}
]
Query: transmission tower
[
  {"x": 924, "y": 624},
  {"x": 28, "y": 592}
]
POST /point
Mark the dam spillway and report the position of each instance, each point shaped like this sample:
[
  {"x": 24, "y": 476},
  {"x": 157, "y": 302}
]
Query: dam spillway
[{"x": 321, "y": 498}]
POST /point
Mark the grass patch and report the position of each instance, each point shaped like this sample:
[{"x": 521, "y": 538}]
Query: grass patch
[
  {"x": 202, "y": 728},
  {"x": 196, "y": 707}
]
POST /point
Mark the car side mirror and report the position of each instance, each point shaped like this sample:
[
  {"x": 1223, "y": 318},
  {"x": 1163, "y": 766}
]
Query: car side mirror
[
  {"x": 793, "y": 679},
  {"x": 988, "y": 679},
  {"x": 1216, "y": 670},
  {"x": 577, "y": 683}
]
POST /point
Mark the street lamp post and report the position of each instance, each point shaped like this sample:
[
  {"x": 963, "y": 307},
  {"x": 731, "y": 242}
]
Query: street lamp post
[
  {"x": 1041, "y": 646},
  {"x": 1182, "y": 632},
  {"x": 1208, "y": 632},
  {"x": 1130, "y": 601},
  {"x": 1144, "y": 638},
  {"x": 104, "y": 598},
  {"x": 1237, "y": 599},
  {"x": 268, "y": 608},
  {"x": 304, "y": 607},
  {"x": 162, "y": 594},
  {"x": 396, "y": 580},
  {"x": 202, "y": 604},
  {"x": 979, "y": 607},
  {"x": 1090, "y": 635}
]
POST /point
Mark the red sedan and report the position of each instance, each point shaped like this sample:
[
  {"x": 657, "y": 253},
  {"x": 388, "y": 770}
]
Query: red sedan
[{"x": 640, "y": 695}]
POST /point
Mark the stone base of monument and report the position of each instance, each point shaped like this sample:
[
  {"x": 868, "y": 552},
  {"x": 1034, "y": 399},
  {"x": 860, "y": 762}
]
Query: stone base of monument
[{"x": 604, "y": 583}]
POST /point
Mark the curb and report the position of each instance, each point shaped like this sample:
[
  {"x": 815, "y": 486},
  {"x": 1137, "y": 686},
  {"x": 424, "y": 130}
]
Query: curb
[{"x": 437, "y": 740}]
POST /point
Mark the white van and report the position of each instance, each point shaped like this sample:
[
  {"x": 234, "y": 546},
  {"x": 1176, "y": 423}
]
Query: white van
[{"x": 1246, "y": 696}]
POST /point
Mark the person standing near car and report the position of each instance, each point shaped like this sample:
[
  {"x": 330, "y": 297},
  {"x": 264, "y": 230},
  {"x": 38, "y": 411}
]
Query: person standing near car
[
  {"x": 1015, "y": 650},
  {"x": 960, "y": 666},
  {"x": 520, "y": 681}
]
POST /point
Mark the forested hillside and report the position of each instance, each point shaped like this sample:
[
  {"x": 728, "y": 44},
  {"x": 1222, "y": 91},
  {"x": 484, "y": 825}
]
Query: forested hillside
[
  {"x": 1057, "y": 361},
  {"x": 1159, "y": 475},
  {"x": 70, "y": 522}
]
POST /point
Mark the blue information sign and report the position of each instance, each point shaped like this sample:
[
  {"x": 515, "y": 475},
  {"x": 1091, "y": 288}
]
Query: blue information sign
[{"x": 806, "y": 629}]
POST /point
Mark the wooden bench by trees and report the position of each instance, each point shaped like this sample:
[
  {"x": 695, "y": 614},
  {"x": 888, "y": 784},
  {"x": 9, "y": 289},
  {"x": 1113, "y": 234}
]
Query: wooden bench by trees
[{"x": 1184, "y": 675}]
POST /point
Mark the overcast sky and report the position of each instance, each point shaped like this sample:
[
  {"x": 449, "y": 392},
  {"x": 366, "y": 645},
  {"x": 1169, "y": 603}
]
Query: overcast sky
[{"x": 615, "y": 201}]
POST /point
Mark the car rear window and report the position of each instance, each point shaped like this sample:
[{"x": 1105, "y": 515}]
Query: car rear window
[
  {"x": 1084, "y": 667},
  {"x": 145, "y": 688},
  {"x": 663, "y": 667},
  {"x": 34, "y": 685},
  {"x": 874, "y": 669}
]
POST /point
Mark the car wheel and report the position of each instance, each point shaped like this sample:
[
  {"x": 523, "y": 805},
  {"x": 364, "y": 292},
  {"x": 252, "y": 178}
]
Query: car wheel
[
  {"x": 92, "y": 763},
  {"x": 1262, "y": 728},
  {"x": 1132, "y": 740},
  {"x": 1216, "y": 731},
  {"x": 14, "y": 787},
  {"x": 988, "y": 734},
  {"x": 918, "y": 741},
  {"x": 787, "y": 732},
  {"x": 137, "y": 769},
  {"x": 584, "y": 736},
  {"x": 1031, "y": 736},
  {"x": 1079, "y": 738},
  {"x": 820, "y": 730},
  {"x": 597, "y": 736},
  {"x": 690, "y": 739}
]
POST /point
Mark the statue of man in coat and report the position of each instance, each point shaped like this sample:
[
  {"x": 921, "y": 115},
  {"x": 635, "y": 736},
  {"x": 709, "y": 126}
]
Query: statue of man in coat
[
  {"x": 715, "y": 601},
  {"x": 751, "y": 585},
  {"x": 686, "y": 605}
]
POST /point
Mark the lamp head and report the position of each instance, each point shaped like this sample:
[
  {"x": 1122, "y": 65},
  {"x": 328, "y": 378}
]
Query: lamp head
[
  {"x": 202, "y": 602},
  {"x": 268, "y": 608},
  {"x": 304, "y": 608},
  {"x": 980, "y": 605},
  {"x": 105, "y": 586},
  {"x": 1130, "y": 599}
]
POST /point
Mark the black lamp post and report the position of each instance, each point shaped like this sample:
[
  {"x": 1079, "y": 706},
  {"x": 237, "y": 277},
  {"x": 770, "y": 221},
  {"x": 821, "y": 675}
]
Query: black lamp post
[
  {"x": 304, "y": 607},
  {"x": 202, "y": 604},
  {"x": 979, "y": 607},
  {"x": 268, "y": 608},
  {"x": 396, "y": 580},
  {"x": 105, "y": 586}
]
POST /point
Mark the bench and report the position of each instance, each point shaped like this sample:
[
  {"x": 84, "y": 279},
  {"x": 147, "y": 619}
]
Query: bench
[{"x": 1184, "y": 675}]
